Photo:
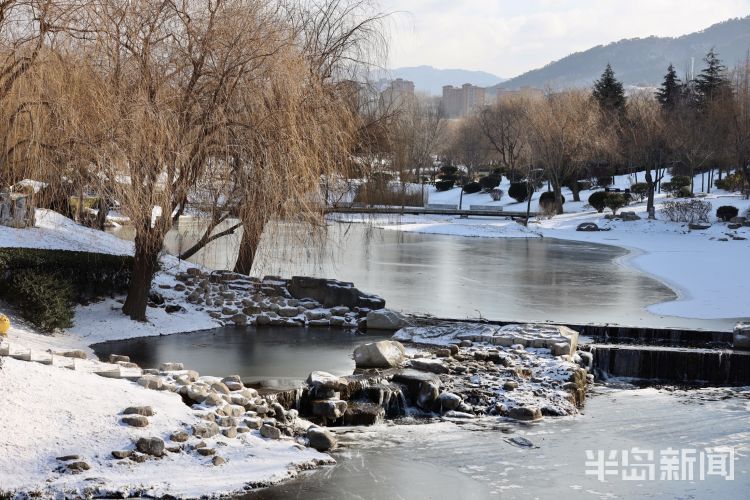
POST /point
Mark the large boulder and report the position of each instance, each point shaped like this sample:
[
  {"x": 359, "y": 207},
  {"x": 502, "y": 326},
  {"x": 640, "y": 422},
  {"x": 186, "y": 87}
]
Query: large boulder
[
  {"x": 385, "y": 319},
  {"x": 383, "y": 354},
  {"x": 321, "y": 439},
  {"x": 324, "y": 382},
  {"x": 428, "y": 395},
  {"x": 332, "y": 293},
  {"x": 150, "y": 446}
]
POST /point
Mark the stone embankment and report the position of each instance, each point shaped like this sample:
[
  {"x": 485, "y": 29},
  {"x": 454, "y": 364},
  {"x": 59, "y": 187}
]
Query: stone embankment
[{"x": 232, "y": 298}]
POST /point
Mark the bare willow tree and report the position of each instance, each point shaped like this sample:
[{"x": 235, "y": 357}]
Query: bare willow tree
[
  {"x": 739, "y": 130},
  {"x": 171, "y": 73},
  {"x": 28, "y": 29},
  {"x": 311, "y": 137},
  {"x": 563, "y": 131}
]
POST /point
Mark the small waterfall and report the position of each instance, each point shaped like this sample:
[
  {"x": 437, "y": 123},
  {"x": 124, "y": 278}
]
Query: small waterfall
[{"x": 677, "y": 365}]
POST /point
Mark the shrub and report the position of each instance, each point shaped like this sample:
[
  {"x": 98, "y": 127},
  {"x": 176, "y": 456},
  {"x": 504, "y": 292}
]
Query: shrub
[
  {"x": 496, "y": 194},
  {"x": 472, "y": 187},
  {"x": 681, "y": 180},
  {"x": 45, "y": 299},
  {"x": 448, "y": 172},
  {"x": 547, "y": 203},
  {"x": 445, "y": 184},
  {"x": 615, "y": 201},
  {"x": 684, "y": 192},
  {"x": 639, "y": 190},
  {"x": 490, "y": 182},
  {"x": 670, "y": 188},
  {"x": 689, "y": 211},
  {"x": 518, "y": 191},
  {"x": 732, "y": 182},
  {"x": 727, "y": 212},
  {"x": 596, "y": 200},
  {"x": 43, "y": 283},
  {"x": 548, "y": 198}
]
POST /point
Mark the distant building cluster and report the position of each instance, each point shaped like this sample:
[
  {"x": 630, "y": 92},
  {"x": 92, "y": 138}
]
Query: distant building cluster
[
  {"x": 460, "y": 101},
  {"x": 456, "y": 102}
]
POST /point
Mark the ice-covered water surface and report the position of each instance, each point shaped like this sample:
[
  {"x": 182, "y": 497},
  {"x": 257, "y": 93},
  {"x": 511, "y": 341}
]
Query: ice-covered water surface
[
  {"x": 481, "y": 459},
  {"x": 512, "y": 279}
]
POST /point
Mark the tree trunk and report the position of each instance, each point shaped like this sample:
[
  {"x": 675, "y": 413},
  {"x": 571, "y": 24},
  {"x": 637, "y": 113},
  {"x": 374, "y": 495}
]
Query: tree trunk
[
  {"x": 575, "y": 188},
  {"x": 101, "y": 216},
  {"x": 248, "y": 249},
  {"x": 558, "y": 198},
  {"x": 651, "y": 189},
  {"x": 147, "y": 247}
]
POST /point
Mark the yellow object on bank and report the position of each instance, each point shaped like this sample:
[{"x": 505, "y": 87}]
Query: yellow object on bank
[{"x": 4, "y": 325}]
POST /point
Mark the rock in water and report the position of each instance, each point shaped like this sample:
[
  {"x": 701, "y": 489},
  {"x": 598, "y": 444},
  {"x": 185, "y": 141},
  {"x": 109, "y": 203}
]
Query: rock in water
[
  {"x": 321, "y": 439},
  {"x": 385, "y": 319},
  {"x": 428, "y": 394},
  {"x": 383, "y": 354},
  {"x": 324, "y": 381},
  {"x": 449, "y": 401},
  {"x": 526, "y": 413}
]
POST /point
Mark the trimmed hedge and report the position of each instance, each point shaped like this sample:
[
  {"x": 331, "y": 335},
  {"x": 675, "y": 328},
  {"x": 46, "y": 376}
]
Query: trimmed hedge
[
  {"x": 490, "y": 182},
  {"x": 472, "y": 187},
  {"x": 444, "y": 184},
  {"x": 640, "y": 190},
  {"x": 46, "y": 284},
  {"x": 518, "y": 191},
  {"x": 727, "y": 212},
  {"x": 597, "y": 200}
]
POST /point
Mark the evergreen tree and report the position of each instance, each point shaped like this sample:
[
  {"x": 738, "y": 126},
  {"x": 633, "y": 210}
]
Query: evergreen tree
[
  {"x": 671, "y": 90},
  {"x": 608, "y": 91},
  {"x": 712, "y": 82}
]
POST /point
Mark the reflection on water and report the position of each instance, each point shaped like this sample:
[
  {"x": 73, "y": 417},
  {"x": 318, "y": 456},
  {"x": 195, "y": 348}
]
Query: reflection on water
[
  {"x": 448, "y": 276},
  {"x": 273, "y": 356},
  {"x": 477, "y": 461}
]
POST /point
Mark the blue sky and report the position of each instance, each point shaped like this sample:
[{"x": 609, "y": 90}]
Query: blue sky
[{"x": 509, "y": 37}]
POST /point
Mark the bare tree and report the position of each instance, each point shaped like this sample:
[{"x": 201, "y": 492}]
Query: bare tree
[
  {"x": 645, "y": 141},
  {"x": 505, "y": 127},
  {"x": 563, "y": 131}
]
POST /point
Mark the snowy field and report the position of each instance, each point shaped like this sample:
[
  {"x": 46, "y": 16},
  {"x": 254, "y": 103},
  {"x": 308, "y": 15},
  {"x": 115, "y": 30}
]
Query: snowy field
[{"x": 711, "y": 277}]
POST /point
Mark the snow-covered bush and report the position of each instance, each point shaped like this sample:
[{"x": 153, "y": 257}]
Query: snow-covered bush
[
  {"x": 727, "y": 212},
  {"x": 444, "y": 184},
  {"x": 44, "y": 299},
  {"x": 518, "y": 191},
  {"x": 690, "y": 211}
]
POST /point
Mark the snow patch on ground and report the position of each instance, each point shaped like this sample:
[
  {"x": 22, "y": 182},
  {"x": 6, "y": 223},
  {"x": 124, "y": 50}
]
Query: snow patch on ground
[{"x": 48, "y": 412}]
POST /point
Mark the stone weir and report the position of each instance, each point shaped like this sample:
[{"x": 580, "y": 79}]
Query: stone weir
[
  {"x": 621, "y": 334},
  {"x": 453, "y": 371},
  {"x": 725, "y": 367}
]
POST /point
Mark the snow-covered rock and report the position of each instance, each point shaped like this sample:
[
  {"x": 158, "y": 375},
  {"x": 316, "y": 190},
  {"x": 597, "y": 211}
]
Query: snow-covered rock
[{"x": 383, "y": 354}]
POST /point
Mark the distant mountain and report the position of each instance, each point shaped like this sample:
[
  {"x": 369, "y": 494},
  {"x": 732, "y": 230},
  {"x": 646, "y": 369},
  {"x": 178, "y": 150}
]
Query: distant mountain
[
  {"x": 431, "y": 80},
  {"x": 642, "y": 61}
]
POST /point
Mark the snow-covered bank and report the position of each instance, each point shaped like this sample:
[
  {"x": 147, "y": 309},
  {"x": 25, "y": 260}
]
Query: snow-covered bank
[
  {"x": 51, "y": 411},
  {"x": 708, "y": 269}
]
